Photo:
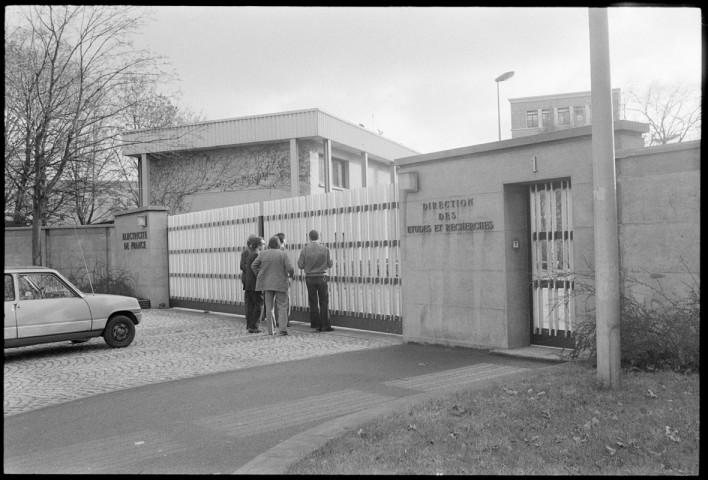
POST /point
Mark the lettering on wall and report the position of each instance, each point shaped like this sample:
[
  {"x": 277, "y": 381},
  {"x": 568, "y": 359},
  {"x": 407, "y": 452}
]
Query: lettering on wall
[
  {"x": 449, "y": 217},
  {"x": 135, "y": 240}
]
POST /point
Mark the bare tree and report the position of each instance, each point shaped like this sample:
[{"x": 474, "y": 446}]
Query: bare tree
[
  {"x": 149, "y": 110},
  {"x": 18, "y": 159},
  {"x": 106, "y": 182},
  {"x": 64, "y": 67},
  {"x": 673, "y": 112}
]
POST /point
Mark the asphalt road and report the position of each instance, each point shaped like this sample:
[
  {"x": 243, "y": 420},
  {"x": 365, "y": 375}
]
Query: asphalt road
[{"x": 196, "y": 394}]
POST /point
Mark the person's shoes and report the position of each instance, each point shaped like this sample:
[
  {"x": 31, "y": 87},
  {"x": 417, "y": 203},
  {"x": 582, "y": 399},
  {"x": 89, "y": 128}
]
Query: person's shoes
[
  {"x": 255, "y": 330},
  {"x": 282, "y": 333},
  {"x": 250, "y": 330},
  {"x": 330, "y": 329}
]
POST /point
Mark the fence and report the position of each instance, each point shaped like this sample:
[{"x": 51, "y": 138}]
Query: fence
[{"x": 359, "y": 226}]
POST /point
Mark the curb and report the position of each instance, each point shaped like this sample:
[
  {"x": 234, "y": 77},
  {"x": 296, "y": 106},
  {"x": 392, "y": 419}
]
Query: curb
[
  {"x": 279, "y": 458},
  {"x": 548, "y": 357}
]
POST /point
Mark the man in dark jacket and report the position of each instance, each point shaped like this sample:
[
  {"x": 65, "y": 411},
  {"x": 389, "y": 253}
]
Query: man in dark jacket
[
  {"x": 254, "y": 298},
  {"x": 315, "y": 260}
]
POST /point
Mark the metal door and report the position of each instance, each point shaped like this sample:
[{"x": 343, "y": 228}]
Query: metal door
[{"x": 552, "y": 264}]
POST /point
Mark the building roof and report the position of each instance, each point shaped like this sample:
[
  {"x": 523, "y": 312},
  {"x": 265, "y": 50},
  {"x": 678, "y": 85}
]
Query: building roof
[
  {"x": 660, "y": 149},
  {"x": 557, "y": 96},
  {"x": 627, "y": 126},
  {"x": 311, "y": 124}
]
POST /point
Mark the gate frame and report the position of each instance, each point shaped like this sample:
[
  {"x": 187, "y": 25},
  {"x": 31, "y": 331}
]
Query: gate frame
[{"x": 566, "y": 340}]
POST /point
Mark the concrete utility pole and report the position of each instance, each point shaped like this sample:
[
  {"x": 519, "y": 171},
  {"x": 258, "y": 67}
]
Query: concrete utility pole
[{"x": 605, "y": 205}]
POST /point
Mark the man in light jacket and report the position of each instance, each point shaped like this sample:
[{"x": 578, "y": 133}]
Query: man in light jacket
[
  {"x": 274, "y": 270},
  {"x": 315, "y": 260}
]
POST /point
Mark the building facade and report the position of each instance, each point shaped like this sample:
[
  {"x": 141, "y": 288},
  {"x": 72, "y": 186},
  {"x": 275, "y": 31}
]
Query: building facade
[
  {"x": 546, "y": 113},
  {"x": 249, "y": 159},
  {"x": 496, "y": 238}
]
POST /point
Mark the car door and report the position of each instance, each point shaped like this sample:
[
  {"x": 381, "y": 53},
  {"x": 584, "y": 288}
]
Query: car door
[
  {"x": 10, "y": 297},
  {"x": 47, "y": 306}
]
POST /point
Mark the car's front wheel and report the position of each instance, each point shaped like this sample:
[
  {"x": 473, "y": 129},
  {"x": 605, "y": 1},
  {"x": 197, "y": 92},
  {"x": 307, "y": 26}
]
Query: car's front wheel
[{"x": 119, "y": 331}]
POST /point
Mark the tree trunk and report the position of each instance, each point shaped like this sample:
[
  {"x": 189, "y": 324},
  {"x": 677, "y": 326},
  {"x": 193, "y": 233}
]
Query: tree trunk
[{"x": 36, "y": 232}]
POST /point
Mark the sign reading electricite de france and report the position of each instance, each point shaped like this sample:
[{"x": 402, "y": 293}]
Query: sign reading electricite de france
[
  {"x": 135, "y": 240},
  {"x": 447, "y": 216}
]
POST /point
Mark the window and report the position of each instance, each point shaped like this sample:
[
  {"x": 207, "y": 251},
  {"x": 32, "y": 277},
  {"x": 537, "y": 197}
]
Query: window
[
  {"x": 340, "y": 173},
  {"x": 42, "y": 285},
  {"x": 564, "y": 116},
  {"x": 531, "y": 119},
  {"x": 9, "y": 288},
  {"x": 579, "y": 113},
  {"x": 547, "y": 118}
]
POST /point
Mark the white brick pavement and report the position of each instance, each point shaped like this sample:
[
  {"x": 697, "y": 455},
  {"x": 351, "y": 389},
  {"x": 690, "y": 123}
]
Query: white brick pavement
[{"x": 169, "y": 344}]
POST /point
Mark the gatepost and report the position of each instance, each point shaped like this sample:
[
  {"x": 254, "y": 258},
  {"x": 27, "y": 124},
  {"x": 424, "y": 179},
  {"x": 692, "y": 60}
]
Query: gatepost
[{"x": 141, "y": 251}]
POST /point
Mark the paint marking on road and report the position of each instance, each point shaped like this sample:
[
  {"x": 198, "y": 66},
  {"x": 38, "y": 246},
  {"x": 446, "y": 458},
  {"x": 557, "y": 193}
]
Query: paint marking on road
[
  {"x": 107, "y": 455},
  {"x": 457, "y": 376},
  {"x": 269, "y": 418}
]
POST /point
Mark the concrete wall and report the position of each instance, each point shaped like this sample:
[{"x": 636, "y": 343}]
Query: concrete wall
[
  {"x": 516, "y": 228},
  {"x": 141, "y": 237},
  {"x": 62, "y": 246},
  {"x": 126, "y": 246},
  {"x": 659, "y": 199},
  {"x": 470, "y": 287}
]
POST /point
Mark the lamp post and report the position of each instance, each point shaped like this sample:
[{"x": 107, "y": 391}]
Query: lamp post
[{"x": 501, "y": 78}]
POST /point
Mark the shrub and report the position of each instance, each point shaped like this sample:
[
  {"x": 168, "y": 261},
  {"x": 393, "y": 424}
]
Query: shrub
[
  {"x": 662, "y": 333},
  {"x": 104, "y": 280}
]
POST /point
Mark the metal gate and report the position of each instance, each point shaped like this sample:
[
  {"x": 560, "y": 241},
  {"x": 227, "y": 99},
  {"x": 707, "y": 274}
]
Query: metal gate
[
  {"x": 553, "y": 304},
  {"x": 359, "y": 226}
]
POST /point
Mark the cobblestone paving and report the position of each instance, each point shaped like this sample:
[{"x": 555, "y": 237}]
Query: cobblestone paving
[{"x": 169, "y": 344}]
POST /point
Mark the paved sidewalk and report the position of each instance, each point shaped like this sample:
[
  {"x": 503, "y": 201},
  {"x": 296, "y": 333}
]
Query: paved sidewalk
[
  {"x": 170, "y": 344},
  {"x": 196, "y": 394}
]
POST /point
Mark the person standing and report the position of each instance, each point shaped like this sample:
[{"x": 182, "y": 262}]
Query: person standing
[
  {"x": 315, "y": 260},
  {"x": 254, "y": 298},
  {"x": 273, "y": 270},
  {"x": 281, "y": 237}
]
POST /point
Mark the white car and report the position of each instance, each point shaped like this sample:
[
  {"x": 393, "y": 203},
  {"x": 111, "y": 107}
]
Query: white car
[{"x": 41, "y": 306}]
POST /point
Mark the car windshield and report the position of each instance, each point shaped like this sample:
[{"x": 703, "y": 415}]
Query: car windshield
[{"x": 42, "y": 285}]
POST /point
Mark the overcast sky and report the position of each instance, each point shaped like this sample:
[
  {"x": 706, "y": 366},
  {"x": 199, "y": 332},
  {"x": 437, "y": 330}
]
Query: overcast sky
[{"x": 424, "y": 76}]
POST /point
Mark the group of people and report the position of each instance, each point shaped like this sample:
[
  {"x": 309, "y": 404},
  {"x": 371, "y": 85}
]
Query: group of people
[{"x": 266, "y": 274}]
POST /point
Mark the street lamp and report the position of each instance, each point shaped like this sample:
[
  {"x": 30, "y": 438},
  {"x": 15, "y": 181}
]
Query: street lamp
[{"x": 501, "y": 78}]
